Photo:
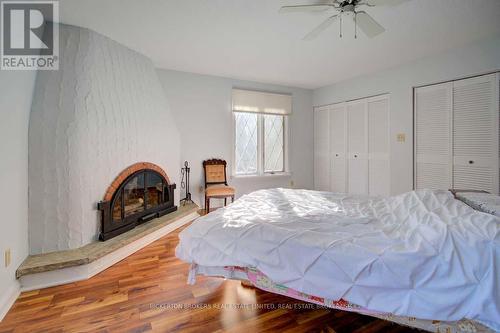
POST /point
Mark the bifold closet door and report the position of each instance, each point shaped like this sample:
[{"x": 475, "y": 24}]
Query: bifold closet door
[
  {"x": 433, "y": 116},
  {"x": 338, "y": 147},
  {"x": 475, "y": 133},
  {"x": 357, "y": 159},
  {"x": 321, "y": 149},
  {"x": 378, "y": 146}
]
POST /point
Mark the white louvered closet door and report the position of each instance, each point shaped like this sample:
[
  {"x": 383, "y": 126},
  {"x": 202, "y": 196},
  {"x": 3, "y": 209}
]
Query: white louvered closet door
[
  {"x": 379, "y": 182},
  {"x": 338, "y": 148},
  {"x": 433, "y": 115},
  {"x": 475, "y": 133},
  {"x": 357, "y": 159},
  {"x": 321, "y": 149}
]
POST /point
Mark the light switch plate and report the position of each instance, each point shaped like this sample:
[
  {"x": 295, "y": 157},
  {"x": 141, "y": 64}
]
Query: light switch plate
[
  {"x": 401, "y": 137},
  {"x": 7, "y": 258}
]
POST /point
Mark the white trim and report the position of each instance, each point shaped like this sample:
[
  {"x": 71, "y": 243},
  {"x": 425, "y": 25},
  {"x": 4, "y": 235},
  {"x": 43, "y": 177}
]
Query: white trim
[
  {"x": 389, "y": 142},
  {"x": 414, "y": 137},
  {"x": 451, "y": 135},
  {"x": 459, "y": 78},
  {"x": 260, "y": 144},
  {"x": 83, "y": 272},
  {"x": 497, "y": 99},
  {"x": 351, "y": 100},
  {"x": 8, "y": 299},
  {"x": 233, "y": 142},
  {"x": 346, "y": 146},
  {"x": 265, "y": 175},
  {"x": 286, "y": 147}
]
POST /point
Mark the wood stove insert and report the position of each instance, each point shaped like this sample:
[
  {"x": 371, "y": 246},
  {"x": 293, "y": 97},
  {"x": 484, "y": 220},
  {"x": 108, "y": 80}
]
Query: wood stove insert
[{"x": 139, "y": 194}]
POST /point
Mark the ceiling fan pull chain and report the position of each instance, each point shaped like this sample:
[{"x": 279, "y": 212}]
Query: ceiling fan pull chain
[
  {"x": 341, "y": 25},
  {"x": 355, "y": 25}
]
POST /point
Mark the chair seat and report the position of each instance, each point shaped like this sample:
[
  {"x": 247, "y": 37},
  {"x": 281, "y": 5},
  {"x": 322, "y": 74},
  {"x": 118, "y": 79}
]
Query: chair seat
[{"x": 219, "y": 191}]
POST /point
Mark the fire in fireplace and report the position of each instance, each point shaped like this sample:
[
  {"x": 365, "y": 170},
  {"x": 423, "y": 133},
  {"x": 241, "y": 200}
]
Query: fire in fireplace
[{"x": 140, "y": 193}]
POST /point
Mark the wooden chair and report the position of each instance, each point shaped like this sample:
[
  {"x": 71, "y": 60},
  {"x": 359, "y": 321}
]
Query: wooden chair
[{"x": 216, "y": 182}]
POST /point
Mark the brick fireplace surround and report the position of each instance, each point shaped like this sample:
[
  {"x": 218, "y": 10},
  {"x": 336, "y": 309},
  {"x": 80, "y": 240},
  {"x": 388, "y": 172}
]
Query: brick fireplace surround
[{"x": 127, "y": 172}]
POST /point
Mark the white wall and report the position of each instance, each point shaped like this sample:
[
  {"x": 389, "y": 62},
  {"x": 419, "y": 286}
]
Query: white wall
[
  {"x": 472, "y": 59},
  {"x": 16, "y": 89},
  {"x": 103, "y": 111},
  {"x": 201, "y": 106}
]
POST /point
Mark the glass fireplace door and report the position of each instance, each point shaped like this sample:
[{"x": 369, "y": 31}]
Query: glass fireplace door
[
  {"x": 154, "y": 188},
  {"x": 141, "y": 197},
  {"x": 134, "y": 196}
]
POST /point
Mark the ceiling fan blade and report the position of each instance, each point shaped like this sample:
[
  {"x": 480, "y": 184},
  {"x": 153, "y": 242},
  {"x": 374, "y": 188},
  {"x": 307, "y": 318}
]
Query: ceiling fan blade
[
  {"x": 305, "y": 8},
  {"x": 368, "y": 25},
  {"x": 316, "y": 31},
  {"x": 386, "y": 2}
]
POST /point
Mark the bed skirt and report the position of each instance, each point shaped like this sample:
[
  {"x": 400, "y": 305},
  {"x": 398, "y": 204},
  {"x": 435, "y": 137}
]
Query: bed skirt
[{"x": 261, "y": 281}]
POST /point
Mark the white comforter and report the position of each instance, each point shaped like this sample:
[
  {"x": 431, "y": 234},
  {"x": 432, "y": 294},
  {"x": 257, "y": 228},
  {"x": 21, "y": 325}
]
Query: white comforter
[{"x": 421, "y": 254}]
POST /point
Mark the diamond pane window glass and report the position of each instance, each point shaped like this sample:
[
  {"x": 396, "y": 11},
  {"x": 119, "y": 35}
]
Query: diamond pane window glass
[
  {"x": 273, "y": 143},
  {"x": 246, "y": 143}
]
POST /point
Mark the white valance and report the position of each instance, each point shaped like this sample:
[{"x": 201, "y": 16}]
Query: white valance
[{"x": 261, "y": 102}]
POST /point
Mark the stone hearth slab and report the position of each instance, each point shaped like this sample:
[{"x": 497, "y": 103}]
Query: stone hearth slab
[{"x": 86, "y": 254}]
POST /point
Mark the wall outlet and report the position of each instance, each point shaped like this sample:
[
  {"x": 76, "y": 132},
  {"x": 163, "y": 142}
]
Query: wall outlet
[
  {"x": 401, "y": 137},
  {"x": 201, "y": 189},
  {"x": 7, "y": 258}
]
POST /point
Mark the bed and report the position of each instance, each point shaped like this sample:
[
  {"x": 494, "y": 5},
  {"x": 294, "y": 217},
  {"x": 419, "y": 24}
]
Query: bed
[{"x": 423, "y": 258}]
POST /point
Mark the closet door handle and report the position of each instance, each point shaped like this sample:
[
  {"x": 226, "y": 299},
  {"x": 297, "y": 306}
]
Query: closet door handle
[
  {"x": 471, "y": 162},
  {"x": 337, "y": 155},
  {"x": 355, "y": 156}
]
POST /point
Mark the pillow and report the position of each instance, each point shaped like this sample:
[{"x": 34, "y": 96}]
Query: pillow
[{"x": 481, "y": 201}]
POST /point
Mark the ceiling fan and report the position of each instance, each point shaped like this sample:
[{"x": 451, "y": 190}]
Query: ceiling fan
[{"x": 362, "y": 19}]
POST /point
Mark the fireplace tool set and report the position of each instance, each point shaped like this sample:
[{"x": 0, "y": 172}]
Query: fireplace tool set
[{"x": 185, "y": 183}]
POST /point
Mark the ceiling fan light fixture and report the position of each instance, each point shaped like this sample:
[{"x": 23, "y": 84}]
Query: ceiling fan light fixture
[{"x": 370, "y": 27}]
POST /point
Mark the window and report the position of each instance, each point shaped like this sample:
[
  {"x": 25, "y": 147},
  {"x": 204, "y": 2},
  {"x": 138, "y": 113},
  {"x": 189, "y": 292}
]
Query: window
[
  {"x": 260, "y": 127},
  {"x": 246, "y": 143},
  {"x": 274, "y": 131}
]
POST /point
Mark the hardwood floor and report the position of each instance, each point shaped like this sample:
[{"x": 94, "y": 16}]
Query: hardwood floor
[{"x": 148, "y": 292}]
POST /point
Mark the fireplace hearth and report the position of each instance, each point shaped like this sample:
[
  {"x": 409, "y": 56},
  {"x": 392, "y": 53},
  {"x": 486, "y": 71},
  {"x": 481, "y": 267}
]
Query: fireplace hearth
[{"x": 139, "y": 194}]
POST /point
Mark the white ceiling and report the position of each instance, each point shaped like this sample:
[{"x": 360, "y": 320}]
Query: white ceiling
[{"x": 250, "y": 40}]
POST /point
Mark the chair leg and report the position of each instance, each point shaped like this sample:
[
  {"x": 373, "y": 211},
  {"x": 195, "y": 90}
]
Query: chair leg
[
  {"x": 208, "y": 205},
  {"x": 225, "y": 201},
  {"x": 232, "y": 198}
]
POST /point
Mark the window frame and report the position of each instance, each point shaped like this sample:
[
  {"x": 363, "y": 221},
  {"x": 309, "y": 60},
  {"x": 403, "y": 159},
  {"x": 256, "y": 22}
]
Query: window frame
[{"x": 261, "y": 148}]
